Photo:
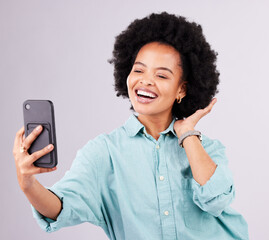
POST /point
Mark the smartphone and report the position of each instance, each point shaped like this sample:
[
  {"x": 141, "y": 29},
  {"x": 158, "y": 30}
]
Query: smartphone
[{"x": 41, "y": 112}]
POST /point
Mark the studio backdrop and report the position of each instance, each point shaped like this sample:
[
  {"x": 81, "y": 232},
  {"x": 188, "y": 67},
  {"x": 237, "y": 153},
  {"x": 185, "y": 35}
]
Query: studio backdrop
[{"x": 58, "y": 50}]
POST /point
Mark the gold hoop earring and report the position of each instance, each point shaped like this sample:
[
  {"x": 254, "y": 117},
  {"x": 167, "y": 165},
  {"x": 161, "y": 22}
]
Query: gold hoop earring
[{"x": 178, "y": 100}]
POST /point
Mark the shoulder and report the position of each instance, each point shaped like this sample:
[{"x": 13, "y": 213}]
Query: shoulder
[{"x": 100, "y": 144}]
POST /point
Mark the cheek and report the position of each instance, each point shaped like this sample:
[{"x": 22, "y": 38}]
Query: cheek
[
  {"x": 166, "y": 88},
  {"x": 130, "y": 82},
  {"x": 129, "y": 85},
  {"x": 169, "y": 91}
]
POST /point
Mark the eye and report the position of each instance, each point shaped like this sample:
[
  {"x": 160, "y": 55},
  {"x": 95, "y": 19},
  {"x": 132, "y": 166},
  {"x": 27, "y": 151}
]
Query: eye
[
  {"x": 161, "y": 76},
  {"x": 137, "y": 71}
]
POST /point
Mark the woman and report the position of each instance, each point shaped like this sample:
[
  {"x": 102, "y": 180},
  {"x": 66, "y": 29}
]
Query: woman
[{"x": 155, "y": 177}]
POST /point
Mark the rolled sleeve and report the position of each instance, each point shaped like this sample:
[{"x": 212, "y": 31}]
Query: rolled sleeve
[
  {"x": 50, "y": 225},
  {"x": 79, "y": 193},
  {"x": 218, "y": 192}
]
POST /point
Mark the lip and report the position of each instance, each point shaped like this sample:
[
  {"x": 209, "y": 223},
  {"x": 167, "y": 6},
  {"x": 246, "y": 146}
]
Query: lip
[
  {"x": 146, "y": 90},
  {"x": 142, "y": 99}
]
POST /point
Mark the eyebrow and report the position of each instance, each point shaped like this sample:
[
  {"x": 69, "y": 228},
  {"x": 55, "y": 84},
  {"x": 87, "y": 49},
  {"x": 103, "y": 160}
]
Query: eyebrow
[{"x": 162, "y": 68}]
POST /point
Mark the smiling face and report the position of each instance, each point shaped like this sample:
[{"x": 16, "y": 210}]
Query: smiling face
[{"x": 157, "y": 68}]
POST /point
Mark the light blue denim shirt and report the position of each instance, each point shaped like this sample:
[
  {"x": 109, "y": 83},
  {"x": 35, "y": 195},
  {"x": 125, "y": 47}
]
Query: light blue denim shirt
[{"x": 138, "y": 188}]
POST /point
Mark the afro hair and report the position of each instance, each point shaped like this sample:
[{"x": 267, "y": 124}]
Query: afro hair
[{"x": 197, "y": 57}]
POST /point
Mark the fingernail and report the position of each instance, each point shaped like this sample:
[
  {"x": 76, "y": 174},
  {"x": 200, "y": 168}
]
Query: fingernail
[
  {"x": 50, "y": 146},
  {"x": 38, "y": 128}
]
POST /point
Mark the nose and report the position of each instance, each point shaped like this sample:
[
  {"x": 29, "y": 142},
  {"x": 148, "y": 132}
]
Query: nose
[{"x": 147, "y": 81}]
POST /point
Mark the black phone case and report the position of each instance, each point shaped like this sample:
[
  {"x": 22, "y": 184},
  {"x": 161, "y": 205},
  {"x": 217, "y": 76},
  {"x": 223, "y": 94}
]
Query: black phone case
[{"x": 41, "y": 112}]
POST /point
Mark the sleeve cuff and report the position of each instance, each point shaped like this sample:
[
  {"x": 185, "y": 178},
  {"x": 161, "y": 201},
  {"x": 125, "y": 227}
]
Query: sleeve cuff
[
  {"x": 219, "y": 183},
  {"x": 217, "y": 193},
  {"x": 50, "y": 225}
]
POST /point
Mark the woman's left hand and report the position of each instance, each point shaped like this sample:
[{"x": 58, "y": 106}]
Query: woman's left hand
[{"x": 187, "y": 124}]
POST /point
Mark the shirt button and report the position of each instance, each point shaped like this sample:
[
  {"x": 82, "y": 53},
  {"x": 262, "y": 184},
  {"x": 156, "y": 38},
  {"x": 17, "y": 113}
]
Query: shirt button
[
  {"x": 167, "y": 134},
  {"x": 157, "y": 146},
  {"x": 161, "y": 178},
  {"x": 166, "y": 213}
]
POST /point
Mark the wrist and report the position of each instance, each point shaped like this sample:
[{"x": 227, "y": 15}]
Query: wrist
[
  {"x": 27, "y": 184},
  {"x": 188, "y": 134},
  {"x": 183, "y": 130}
]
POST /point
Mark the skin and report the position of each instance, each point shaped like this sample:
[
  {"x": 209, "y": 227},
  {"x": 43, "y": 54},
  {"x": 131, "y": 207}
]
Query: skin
[{"x": 157, "y": 115}]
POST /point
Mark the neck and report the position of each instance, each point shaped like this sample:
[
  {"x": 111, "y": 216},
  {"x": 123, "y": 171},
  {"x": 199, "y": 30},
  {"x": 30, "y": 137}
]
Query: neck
[{"x": 155, "y": 124}]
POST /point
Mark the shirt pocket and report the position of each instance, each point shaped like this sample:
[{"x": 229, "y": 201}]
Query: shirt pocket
[{"x": 194, "y": 217}]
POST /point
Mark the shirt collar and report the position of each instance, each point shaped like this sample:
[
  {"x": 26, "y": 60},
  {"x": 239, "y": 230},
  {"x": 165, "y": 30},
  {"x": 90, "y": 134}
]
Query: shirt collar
[{"x": 133, "y": 126}]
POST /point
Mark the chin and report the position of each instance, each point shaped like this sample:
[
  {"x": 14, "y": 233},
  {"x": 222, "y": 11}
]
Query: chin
[{"x": 144, "y": 111}]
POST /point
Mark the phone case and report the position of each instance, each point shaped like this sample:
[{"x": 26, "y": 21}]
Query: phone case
[{"x": 41, "y": 112}]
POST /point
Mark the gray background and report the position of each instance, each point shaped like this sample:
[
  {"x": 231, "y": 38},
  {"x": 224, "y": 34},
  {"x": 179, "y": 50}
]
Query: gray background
[{"x": 58, "y": 50}]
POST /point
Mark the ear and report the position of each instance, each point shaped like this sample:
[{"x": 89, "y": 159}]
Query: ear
[{"x": 182, "y": 89}]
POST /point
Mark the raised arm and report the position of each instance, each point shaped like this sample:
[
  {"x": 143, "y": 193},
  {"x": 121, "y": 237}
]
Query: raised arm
[{"x": 43, "y": 200}]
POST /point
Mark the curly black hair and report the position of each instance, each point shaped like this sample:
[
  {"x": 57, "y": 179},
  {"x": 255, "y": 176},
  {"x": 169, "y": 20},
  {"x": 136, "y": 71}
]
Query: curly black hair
[{"x": 197, "y": 57}]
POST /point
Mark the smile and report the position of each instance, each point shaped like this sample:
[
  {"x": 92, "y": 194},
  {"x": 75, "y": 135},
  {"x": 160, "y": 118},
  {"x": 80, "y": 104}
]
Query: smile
[{"x": 143, "y": 99}]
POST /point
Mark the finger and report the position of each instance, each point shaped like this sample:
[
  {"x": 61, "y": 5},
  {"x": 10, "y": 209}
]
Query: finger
[
  {"x": 38, "y": 154},
  {"x": 18, "y": 140},
  {"x": 38, "y": 170},
  {"x": 32, "y": 136},
  {"x": 202, "y": 112},
  {"x": 210, "y": 105},
  {"x": 213, "y": 101}
]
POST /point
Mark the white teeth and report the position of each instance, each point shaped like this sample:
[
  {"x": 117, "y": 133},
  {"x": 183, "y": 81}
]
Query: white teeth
[{"x": 145, "y": 94}]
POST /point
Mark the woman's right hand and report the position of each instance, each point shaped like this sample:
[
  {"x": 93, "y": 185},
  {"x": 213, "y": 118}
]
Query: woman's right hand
[{"x": 24, "y": 161}]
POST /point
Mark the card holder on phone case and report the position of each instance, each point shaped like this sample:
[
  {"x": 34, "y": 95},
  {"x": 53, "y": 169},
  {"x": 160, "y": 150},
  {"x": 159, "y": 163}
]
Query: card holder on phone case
[{"x": 44, "y": 140}]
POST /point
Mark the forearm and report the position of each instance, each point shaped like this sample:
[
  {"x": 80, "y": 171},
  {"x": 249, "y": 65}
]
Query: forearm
[
  {"x": 202, "y": 166},
  {"x": 44, "y": 201}
]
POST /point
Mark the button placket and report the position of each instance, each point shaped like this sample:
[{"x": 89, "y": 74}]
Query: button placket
[{"x": 164, "y": 192}]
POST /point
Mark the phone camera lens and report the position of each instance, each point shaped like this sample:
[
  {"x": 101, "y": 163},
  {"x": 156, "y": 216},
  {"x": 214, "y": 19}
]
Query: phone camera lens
[{"x": 27, "y": 106}]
